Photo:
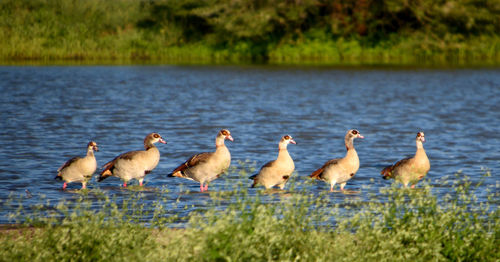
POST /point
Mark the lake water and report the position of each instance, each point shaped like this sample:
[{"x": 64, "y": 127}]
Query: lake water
[{"x": 49, "y": 113}]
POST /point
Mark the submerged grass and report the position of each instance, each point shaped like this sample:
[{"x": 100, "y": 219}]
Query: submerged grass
[{"x": 408, "y": 225}]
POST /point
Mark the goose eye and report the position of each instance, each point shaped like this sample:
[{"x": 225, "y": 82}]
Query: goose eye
[
  {"x": 287, "y": 137},
  {"x": 156, "y": 135},
  {"x": 418, "y": 135},
  {"x": 354, "y": 132}
]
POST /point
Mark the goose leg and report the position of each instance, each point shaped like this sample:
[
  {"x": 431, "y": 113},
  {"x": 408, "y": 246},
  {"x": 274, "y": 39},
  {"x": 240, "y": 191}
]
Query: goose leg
[
  {"x": 84, "y": 185},
  {"x": 125, "y": 184},
  {"x": 412, "y": 186},
  {"x": 65, "y": 185},
  {"x": 342, "y": 186},
  {"x": 140, "y": 181},
  {"x": 201, "y": 187},
  {"x": 206, "y": 187},
  {"x": 332, "y": 184}
]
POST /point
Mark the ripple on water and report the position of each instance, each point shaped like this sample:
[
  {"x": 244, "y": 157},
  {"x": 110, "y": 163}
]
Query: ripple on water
[{"x": 50, "y": 114}]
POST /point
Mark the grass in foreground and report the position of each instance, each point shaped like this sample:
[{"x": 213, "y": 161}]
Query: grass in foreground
[{"x": 411, "y": 225}]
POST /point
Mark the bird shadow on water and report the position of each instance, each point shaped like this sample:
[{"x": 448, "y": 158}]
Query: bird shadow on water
[
  {"x": 277, "y": 191},
  {"x": 139, "y": 188},
  {"x": 136, "y": 188},
  {"x": 347, "y": 192},
  {"x": 75, "y": 191}
]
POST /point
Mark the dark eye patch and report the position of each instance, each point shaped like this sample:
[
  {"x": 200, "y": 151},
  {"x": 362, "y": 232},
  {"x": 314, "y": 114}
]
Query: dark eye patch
[
  {"x": 156, "y": 135},
  {"x": 354, "y": 132},
  {"x": 418, "y": 134}
]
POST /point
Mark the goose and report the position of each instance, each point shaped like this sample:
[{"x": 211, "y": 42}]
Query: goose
[
  {"x": 340, "y": 170},
  {"x": 412, "y": 169},
  {"x": 207, "y": 166},
  {"x": 276, "y": 172},
  {"x": 134, "y": 164},
  {"x": 79, "y": 169}
]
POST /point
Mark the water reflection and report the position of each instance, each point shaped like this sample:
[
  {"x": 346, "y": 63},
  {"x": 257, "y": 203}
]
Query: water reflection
[{"x": 49, "y": 113}]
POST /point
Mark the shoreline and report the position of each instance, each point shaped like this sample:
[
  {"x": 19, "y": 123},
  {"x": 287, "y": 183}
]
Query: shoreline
[{"x": 309, "y": 64}]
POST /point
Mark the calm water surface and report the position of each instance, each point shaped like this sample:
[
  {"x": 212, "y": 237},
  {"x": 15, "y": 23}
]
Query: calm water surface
[{"x": 49, "y": 113}]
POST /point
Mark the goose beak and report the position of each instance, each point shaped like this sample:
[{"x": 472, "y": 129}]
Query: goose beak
[
  {"x": 360, "y": 136},
  {"x": 162, "y": 141},
  {"x": 293, "y": 141},
  {"x": 230, "y": 138}
]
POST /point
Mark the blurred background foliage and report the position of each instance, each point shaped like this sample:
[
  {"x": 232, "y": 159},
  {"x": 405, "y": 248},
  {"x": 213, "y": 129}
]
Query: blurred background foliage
[{"x": 258, "y": 29}]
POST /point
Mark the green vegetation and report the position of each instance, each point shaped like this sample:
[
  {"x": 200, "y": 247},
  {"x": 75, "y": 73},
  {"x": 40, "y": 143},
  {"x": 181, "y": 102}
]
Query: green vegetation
[
  {"x": 208, "y": 31},
  {"x": 409, "y": 225}
]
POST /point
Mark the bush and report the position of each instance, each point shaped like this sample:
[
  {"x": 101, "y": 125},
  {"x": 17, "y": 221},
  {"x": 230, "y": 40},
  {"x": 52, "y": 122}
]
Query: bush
[{"x": 362, "y": 31}]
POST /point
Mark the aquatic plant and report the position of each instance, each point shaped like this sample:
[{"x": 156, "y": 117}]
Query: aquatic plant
[{"x": 296, "y": 225}]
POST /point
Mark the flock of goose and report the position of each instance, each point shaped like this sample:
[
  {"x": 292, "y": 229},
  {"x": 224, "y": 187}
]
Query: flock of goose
[{"x": 205, "y": 167}]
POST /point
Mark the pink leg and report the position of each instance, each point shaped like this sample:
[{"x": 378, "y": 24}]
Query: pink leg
[
  {"x": 201, "y": 187},
  {"x": 140, "y": 183},
  {"x": 64, "y": 186},
  {"x": 124, "y": 184},
  {"x": 332, "y": 185},
  {"x": 412, "y": 186},
  {"x": 84, "y": 186},
  {"x": 206, "y": 187}
]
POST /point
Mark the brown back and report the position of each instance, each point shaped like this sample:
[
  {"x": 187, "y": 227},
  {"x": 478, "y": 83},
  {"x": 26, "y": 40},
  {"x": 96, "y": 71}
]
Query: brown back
[
  {"x": 317, "y": 174},
  {"x": 192, "y": 161}
]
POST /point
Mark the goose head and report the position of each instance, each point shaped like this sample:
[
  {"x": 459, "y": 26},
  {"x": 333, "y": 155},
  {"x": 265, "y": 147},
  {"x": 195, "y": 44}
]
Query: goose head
[
  {"x": 420, "y": 136},
  {"x": 92, "y": 146},
  {"x": 285, "y": 140},
  {"x": 225, "y": 134},
  {"x": 154, "y": 138},
  {"x": 353, "y": 133}
]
